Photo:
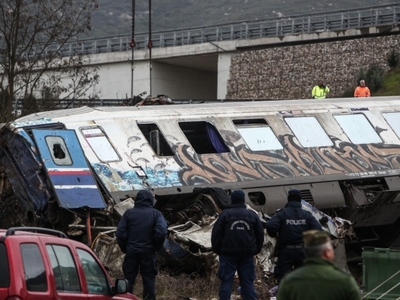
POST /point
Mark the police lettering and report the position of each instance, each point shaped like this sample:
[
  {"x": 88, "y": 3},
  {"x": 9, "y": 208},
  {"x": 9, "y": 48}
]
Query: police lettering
[
  {"x": 296, "y": 222},
  {"x": 243, "y": 225}
]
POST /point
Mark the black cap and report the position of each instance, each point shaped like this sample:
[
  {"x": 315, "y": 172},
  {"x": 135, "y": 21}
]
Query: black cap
[
  {"x": 237, "y": 196},
  {"x": 294, "y": 195}
]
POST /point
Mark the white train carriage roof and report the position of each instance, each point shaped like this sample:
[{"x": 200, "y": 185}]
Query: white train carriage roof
[{"x": 221, "y": 109}]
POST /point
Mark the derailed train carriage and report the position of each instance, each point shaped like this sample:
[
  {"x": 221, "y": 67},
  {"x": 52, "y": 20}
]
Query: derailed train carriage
[{"x": 79, "y": 169}]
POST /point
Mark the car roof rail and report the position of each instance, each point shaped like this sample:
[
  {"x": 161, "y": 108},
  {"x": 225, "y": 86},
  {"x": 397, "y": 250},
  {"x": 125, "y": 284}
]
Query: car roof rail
[{"x": 13, "y": 230}]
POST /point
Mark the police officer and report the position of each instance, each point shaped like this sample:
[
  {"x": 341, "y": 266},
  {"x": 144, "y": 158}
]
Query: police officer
[
  {"x": 288, "y": 225},
  {"x": 236, "y": 237},
  {"x": 140, "y": 234}
]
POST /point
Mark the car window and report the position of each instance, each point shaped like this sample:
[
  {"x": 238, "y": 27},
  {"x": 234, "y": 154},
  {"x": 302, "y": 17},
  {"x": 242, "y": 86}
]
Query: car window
[
  {"x": 64, "y": 268},
  {"x": 35, "y": 274},
  {"x": 96, "y": 279},
  {"x": 4, "y": 271}
]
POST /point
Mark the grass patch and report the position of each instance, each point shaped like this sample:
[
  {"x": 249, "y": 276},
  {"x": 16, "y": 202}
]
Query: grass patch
[{"x": 391, "y": 85}]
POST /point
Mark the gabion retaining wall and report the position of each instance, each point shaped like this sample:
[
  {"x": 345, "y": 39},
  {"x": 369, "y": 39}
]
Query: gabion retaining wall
[{"x": 291, "y": 72}]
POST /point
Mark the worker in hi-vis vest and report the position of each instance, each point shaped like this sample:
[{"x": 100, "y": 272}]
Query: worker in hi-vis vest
[
  {"x": 319, "y": 91},
  {"x": 362, "y": 90}
]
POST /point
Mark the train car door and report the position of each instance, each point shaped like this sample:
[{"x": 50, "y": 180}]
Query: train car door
[{"x": 67, "y": 169}]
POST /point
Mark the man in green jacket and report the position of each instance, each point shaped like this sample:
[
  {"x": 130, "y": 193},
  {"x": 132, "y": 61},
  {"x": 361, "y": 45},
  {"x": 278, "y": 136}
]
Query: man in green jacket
[
  {"x": 318, "y": 278},
  {"x": 319, "y": 91}
]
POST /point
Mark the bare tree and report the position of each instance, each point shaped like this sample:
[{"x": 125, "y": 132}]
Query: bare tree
[{"x": 32, "y": 36}]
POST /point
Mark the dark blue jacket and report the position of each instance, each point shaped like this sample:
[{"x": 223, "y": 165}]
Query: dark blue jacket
[
  {"x": 237, "y": 231},
  {"x": 288, "y": 224},
  {"x": 142, "y": 228}
]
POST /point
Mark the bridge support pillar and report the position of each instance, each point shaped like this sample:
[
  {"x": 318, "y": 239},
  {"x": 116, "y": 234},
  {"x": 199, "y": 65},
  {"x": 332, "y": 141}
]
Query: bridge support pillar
[{"x": 224, "y": 65}]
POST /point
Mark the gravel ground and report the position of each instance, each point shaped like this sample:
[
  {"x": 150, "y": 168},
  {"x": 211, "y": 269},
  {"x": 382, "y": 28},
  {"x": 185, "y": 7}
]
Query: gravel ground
[{"x": 194, "y": 287}]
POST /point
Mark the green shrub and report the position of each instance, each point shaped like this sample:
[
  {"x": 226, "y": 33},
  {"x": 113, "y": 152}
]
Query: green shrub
[
  {"x": 373, "y": 76},
  {"x": 393, "y": 59},
  {"x": 362, "y": 74}
]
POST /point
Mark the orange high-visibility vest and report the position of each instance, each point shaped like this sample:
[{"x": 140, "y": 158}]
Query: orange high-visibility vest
[{"x": 362, "y": 91}]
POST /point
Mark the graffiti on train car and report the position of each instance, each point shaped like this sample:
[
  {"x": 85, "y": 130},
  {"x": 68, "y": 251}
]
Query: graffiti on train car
[
  {"x": 293, "y": 161},
  {"x": 241, "y": 164}
]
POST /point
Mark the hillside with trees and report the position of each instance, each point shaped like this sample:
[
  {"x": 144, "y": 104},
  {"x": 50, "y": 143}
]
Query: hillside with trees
[{"x": 113, "y": 18}]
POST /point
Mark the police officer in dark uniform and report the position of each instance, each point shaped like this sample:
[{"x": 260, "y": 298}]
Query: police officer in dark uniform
[
  {"x": 140, "y": 234},
  {"x": 236, "y": 237},
  {"x": 288, "y": 225}
]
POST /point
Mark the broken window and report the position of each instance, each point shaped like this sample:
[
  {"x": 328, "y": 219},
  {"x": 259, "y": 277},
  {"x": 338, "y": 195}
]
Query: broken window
[
  {"x": 394, "y": 121},
  {"x": 156, "y": 139},
  {"x": 258, "y": 198},
  {"x": 203, "y": 137},
  {"x": 358, "y": 129},
  {"x": 100, "y": 144},
  {"x": 309, "y": 132},
  {"x": 257, "y": 134},
  {"x": 58, "y": 150}
]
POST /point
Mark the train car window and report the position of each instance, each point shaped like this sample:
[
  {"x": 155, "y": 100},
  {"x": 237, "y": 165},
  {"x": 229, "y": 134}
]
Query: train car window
[
  {"x": 309, "y": 132},
  {"x": 156, "y": 139},
  {"x": 203, "y": 137},
  {"x": 394, "y": 121},
  {"x": 358, "y": 129},
  {"x": 100, "y": 144},
  {"x": 258, "y": 198},
  {"x": 58, "y": 150},
  {"x": 257, "y": 134},
  {"x": 249, "y": 121}
]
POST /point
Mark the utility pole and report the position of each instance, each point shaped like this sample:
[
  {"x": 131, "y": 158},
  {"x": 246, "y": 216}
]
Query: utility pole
[
  {"x": 132, "y": 44},
  {"x": 149, "y": 46}
]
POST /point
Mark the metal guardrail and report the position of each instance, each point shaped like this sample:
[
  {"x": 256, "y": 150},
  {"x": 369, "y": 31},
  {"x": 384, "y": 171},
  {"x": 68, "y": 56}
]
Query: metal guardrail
[
  {"x": 55, "y": 104},
  {"x": 310, "y": 23}
]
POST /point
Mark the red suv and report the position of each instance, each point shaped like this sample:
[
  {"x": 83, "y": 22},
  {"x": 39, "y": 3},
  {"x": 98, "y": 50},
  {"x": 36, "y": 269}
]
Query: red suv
[{"x": 39, "y": 263}]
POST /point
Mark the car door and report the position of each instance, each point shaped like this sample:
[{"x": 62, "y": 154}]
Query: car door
[
  {"x": 67, "y": 169},
  {"x": 31, "y": 279},
  {"x": 34, "y": 280}
]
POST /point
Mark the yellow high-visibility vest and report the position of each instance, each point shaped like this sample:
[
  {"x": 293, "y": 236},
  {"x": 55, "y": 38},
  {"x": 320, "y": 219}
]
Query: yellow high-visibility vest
[{"x": 319, "y": 92}]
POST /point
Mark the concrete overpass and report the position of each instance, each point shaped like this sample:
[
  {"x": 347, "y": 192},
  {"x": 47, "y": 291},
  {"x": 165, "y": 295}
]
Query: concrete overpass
[{"x": 195, "y": 63}]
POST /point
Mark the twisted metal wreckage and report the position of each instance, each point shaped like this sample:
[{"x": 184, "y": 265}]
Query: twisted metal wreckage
[{"x": 78, "y": 170}]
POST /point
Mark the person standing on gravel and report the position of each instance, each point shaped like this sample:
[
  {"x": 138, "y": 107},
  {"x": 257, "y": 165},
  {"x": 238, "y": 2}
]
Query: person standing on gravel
[
  {"x": 140, "y": 234},
  {"x": 288, "y": 225},
  {"x": 236, "y": 237}
]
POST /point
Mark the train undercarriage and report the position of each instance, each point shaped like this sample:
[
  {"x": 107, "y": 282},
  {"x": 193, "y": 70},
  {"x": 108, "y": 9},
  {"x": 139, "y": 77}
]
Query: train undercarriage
[{"x": 368, "y": 218}]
